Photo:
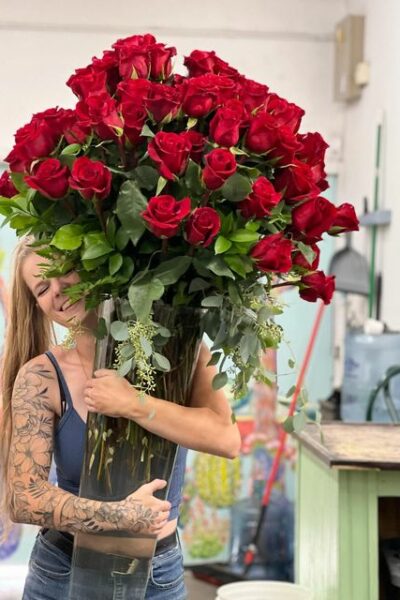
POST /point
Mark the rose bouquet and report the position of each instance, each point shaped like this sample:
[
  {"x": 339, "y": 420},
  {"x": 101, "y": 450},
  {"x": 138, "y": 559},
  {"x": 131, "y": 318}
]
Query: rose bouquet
[{"x": 193, "y": 190}]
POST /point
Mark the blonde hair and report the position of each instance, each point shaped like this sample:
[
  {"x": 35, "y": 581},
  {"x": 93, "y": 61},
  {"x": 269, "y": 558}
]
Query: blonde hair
[{"x": 28, "y": 333}]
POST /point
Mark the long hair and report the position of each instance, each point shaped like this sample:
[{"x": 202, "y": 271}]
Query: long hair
[{"x": 28, "y": 333}]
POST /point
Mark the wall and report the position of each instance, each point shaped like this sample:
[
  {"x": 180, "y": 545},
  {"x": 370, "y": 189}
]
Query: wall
[{"x": 382, "y": 95}]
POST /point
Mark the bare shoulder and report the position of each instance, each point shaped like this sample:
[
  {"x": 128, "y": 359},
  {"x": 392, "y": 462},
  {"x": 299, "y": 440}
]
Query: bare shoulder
[{"x": 36, "y": 384}]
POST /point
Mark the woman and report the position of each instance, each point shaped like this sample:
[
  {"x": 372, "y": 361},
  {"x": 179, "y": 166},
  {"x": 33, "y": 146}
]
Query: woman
[{"x": 46, "y": 398}]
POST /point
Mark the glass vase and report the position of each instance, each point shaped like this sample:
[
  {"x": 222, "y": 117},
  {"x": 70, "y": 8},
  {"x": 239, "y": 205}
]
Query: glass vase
[{"x": 120, "y": 456}]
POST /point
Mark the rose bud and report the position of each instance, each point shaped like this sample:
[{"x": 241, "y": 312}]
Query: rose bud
[
  {"x": 313, "y": 218},
  {"x": 273, "y": 253},
  {"x": 164, "y": 214},
  {"x": 202, "y": 226},
  {"x": 345, "y": 220},
  {"x": 7, "y": 189},
  {"x": 170, "y": 151},
  {"x": 91, "y": 178},
  {"x": 220, "y": 165},
  {"x": 317, "y": 285},
  {"x": 262, "y": 199},
  {"x": 50, "y": 178}
]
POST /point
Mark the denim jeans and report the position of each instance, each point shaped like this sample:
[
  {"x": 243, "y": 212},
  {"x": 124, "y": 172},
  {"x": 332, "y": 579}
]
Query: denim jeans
[{"x": 50, "y": 569}]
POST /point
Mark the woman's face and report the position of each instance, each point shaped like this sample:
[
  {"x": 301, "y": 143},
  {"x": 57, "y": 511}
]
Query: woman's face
[{"x": 49, "y": 293}]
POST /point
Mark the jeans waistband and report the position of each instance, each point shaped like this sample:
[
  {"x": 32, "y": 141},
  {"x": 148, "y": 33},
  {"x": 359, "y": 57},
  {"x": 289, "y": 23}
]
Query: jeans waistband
[{"x": 65, "y": 541}]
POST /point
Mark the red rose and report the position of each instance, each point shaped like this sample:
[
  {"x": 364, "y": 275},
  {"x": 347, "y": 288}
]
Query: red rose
[
  {"x": 100, "y": 112},
  {"x": 262, "y": 133},
  {"x": 318, "y": 285},
  {"x": 313, "y": 218},
  {"x": 200, "y": 63},
  {"x": 50, "y": 178},
  {"x": 7, "y": 189},
  {"x": 170, "y": 151},
  {"x": 296, "y": 182},
  {"x": 74, "y": 131},
  {"x": 133, "y": 54},
  {"x": 55, "y": 119},
  {"x": 160, "y": 61},
  {"x": 252, "y": 94},
  {"x": 34, "y": 140},
  {"x": 312, "y": 151},
  {"x": 285, "y": 147},
  {"x": 273, "y": 253},
  {"x": 220, "y": 164},
  {"x": 262, "y": 199},
  {"x": 134, "y": 116},
  {"x": 162, "y": 101},
  {"x": 225, "y": 124},
  {"x": 202, "y": 226},
  {"x": 197, "y": 141},
  {"x": 164, "y": 214},
  {"x": 134, "y": 90},
  {"x": 345, "y": 219},
  {"x": 87, "y": 81},
  {"x": 200, "y": 96},
  {"x": 108, "y": 64},
  {"x": 299, "y": 260},
  {"x": 91, "y": 178},
  {"x": 284, "y": 112}
]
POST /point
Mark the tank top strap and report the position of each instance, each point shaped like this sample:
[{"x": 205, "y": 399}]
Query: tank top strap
[{"x": 66, "y": 401}]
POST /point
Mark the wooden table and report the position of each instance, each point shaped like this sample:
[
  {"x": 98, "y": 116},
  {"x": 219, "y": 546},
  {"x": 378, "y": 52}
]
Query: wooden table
[{"x": 348, "y": 499}]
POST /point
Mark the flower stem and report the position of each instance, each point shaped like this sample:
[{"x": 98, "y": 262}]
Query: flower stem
[{"x": 286, "y": 283}]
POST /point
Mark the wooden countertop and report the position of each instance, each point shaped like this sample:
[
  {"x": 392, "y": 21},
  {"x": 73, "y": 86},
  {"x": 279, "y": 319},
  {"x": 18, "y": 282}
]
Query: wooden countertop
[{"x": 354, "y": 445}]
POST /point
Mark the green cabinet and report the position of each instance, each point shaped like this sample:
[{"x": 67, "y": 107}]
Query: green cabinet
[{"x": 344, "y": 472}]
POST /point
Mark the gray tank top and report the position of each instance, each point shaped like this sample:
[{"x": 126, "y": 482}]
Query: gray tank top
[{"x": 69, "y": 448}]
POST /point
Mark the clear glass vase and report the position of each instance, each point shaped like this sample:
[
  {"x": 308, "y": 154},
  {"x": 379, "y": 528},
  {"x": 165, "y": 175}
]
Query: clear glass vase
[{"x": 120, "y": 456}]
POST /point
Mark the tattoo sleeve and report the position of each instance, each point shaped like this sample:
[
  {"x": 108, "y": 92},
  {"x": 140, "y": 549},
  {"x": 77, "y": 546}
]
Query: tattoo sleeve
[{"x": 33, "y": 499}]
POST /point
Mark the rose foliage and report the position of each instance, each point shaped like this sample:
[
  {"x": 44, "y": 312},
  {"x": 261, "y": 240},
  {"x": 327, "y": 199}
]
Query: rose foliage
[{"x": 193, "y": 190}]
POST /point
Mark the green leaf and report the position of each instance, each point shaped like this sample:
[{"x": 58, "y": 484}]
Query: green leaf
[
  {"x": 306, "y": 251},
  {"x": 253, "y": 225},
  {"x": 125, "y": 368},
  {"x": 142, "y": 294},
  {"x": 161, "y": 363},
  {"x": 130, "y": 204},
  {"x": 19, "y": 182},
  {"x": 215, "y": 358},
  {"x": 101, "y": 330},
  {"x": 115, "y": 263},
  {"x": 212, "y": 301},
  {"x": 119, "y": 331},
  {"x": 291, "y": 391},
  {"x": 299, "y": 421},
  {"x": 111, "y": 229},
  {"x": 169, "y": 271},
  {"x": 248, "y": 345},
  {"x": 193, "y": 178},
  {"x": 121, "y": 238},
  {"x": 243, "y": 235},
  {"x": 22, "y": 221},
  {"x": 234, "y": 294},
  {"x": 146, "y": 131},
  {"x": 198, "y": 284},
  {"x": 288, "y": 425},
  {"x": 96, "y": 245},
  {"x": 72, "y": 149},
  {"x": 219, "y": 267},
  {"x": 162, "y": 182},
  {"x": 220, "y": 380},
  {"x": 146, "y": 346},
  {"x": 237, "y": 264},
  {"x": 236, "y": 188},
  {"x": 127, "y": 268},
  {"x": 93, "y": 263},
  {"x": 222, "y": 245},
  {"x": 146, "y": 177},
  {"x": 192, "y": 122},
  {"x": 68, "y": 237},
  {"x": 291, "y": 363}
]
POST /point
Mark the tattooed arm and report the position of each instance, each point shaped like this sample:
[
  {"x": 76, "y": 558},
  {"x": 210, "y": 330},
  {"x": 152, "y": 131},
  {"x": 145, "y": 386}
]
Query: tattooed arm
[{"x": 36, "y": 501}]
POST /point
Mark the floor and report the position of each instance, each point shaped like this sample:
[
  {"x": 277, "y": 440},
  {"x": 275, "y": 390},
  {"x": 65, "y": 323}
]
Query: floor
[{"x": 199, "y": 590}]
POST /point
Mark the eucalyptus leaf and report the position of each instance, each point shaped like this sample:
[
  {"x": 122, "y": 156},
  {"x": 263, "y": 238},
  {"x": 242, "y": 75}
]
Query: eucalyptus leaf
[
  {"x": 125, "y": 368},
  {"x": 288, "y": 425},
  {"x": 212, "y": 301},
  {"x": 146, "y": 346},
  {"x": 299, "y": 421},
  {"x": 160, "y": 362},
  {"x": 101, "y": 330},
  {"x": 220, "y": 380},
  {"x": 119, "y": 331},
  {"x": 215, "y": 358}
]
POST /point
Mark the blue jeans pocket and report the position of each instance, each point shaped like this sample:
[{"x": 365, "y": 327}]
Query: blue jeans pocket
[
  {"x": 167, "y": 569},
  {"x": 50, "y": 561}
]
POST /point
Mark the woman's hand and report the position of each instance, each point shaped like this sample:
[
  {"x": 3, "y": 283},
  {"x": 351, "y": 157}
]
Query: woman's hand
[
  {"x": 144, "y": 512},
  {"x": 109, "y": 394}
]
